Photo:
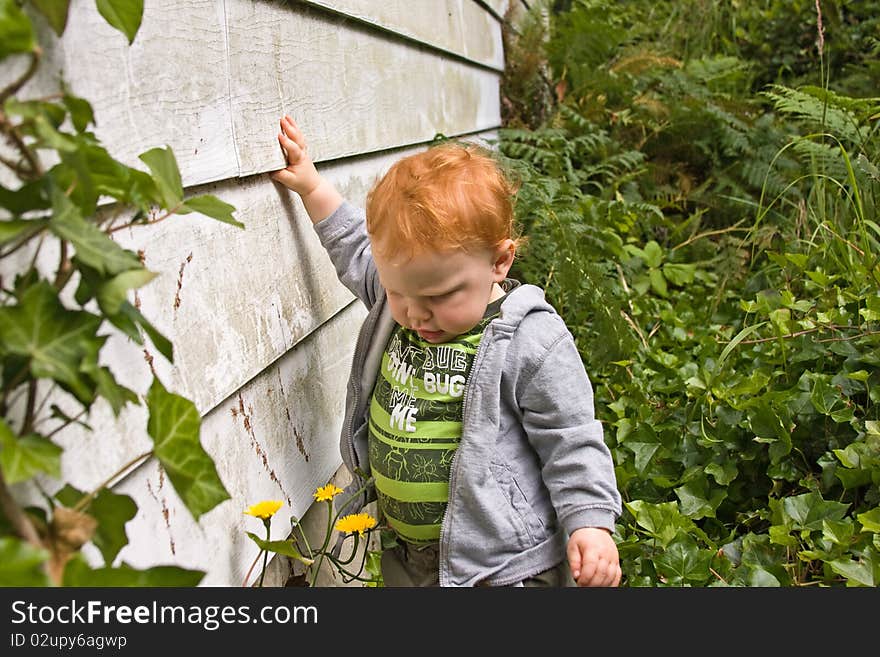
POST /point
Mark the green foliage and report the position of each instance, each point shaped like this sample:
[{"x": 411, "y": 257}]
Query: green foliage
[
  {"x": 174, "y": 426},
  {"x": 713, "y": 245},
  {"x": 124, "y": 15},
  {"x": 79, "y": 573},
  {"x": 54, "y": 324}
]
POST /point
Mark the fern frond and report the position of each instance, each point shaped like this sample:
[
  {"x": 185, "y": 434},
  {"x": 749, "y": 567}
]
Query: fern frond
[
  {"x": 862, "y": 108},
  {"x": 575, "y": 118},
  {"x": 733, "y": 131},
  {"x": 823, "y": 112},
  {"x": 822, "y": 157},
  {"x": 591, "y": 144}
]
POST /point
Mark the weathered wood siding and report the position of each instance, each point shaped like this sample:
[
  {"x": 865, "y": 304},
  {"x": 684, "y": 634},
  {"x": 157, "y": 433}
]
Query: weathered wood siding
[{"x": 263, "y": 332}]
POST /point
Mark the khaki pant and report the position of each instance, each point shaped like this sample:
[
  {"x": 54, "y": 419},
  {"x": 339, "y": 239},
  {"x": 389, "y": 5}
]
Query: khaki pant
[{"x": 419, "y": 566}]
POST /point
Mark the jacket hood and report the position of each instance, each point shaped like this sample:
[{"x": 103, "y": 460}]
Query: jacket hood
[{"x": 521, "y": 301}]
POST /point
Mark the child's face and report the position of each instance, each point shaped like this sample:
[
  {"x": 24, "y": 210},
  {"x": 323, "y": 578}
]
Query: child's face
[{"x": 442, "y": 294}]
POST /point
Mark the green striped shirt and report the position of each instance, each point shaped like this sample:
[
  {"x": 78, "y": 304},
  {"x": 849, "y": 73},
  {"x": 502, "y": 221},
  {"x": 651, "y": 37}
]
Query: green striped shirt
[{"x": 415, "y": 426}]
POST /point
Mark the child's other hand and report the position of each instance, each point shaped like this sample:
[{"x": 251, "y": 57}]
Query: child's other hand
[
  {"x": 592, "y": 557},
  {"x": 300, "y": 174}
]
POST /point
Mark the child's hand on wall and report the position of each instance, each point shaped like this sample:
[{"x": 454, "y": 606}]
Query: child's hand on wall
[
  {"x": 592, "y": 556},
  {"x": 300, "y": 175}
]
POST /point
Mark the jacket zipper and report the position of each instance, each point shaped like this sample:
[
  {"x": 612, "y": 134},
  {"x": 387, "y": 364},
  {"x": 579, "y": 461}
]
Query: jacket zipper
[
  {"x": 453, "y": 471},
  {"x": 358, "y": 369}
]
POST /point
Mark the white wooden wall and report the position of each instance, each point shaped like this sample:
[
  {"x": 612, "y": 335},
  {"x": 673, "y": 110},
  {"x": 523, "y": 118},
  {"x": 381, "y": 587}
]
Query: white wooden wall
[{"x": 262, "y": 330}]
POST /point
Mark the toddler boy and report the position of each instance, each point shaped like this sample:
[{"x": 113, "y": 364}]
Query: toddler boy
[{"x": 468, "y": 403}]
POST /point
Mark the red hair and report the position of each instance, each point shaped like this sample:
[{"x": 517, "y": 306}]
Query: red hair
[{"x": 450, "y": 196}]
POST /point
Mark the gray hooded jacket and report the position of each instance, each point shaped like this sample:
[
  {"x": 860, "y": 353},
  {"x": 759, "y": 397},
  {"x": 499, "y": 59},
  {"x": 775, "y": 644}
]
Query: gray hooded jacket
[{"x": 532, "y": 465}]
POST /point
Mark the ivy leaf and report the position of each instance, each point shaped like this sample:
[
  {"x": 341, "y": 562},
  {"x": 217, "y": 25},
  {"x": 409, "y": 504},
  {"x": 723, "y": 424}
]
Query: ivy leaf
[
  {"x": 78, "y": 573},
  {"x": 839, "y": 532},
  {"x": 373, "y": 566},
  {"x": 781, "y": 535},
  {"x": 213, "y": 207},
  {"x": 112, "y": 511},
  {"x": 857, "y": 573},
  {"x": 107, "y": 387},
  {"x": 91, "y": 171},
  {"x": 52, "y": 137},
  {"x": 851, "y": 456},
  {"x": 21, "y": 564},
  {"x": 22, "y": 458},
  {"x": 807, "y": 511},
  {"x": 141, "y": 190},
  {"x": 679, "y": 274},
  {"x": 658, "y": 283},
  {"x": 92, "y": 245},
  {"x": 683, "y": 563},
  {"x": 653, "y": 254},
  {"x": 699, "y": 499},
  {"x": 870, "y": 520},
  {"x": 765, "y": 561},
  {"x": 174, "y": 425},
  {"x": 52, "y": 113},
  {"x": 132, "y": 314},
  {"x": 111, "y": 294},
  {"x": 824, "y": 397},
  {"x": 127, "y": 325},
  {"x": 15, "y": 29},
  {"x": 81, "y": 112},
  {"x": 75, "y": 173},
  {"x": 871, "y": 312},
  {"x": 723, "y": 473},
  {"x": 54, "y": 338},
  {"x": 759, "y": 577},
  {"x": 859, "y": 375},
  {"x": 163, "y": 166},
  {"x": 821, "y": 278},
  {"x": 661, "y": 521},
  {"x": 14, "y": 228},
  {"x": 116, "y": 395},
  {"x": 644, "y": 443},
  {"x": 69, "y": 496},
  {"x": 124, "y": 15},
  {"x": 29, "y": 196},
  {"x": 286, "y": 548},
  {"x": 55, "y": 12},
  {"x": 769, "y": 427}
]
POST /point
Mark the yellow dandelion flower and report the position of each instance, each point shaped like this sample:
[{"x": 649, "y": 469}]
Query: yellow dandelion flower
[
  {"x": 356, "y": 522},
  {"x": 265, "y": 509},
  {"x": 328, "y": 492}
]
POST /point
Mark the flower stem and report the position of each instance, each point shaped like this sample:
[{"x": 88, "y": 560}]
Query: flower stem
[
  {"x": 316, "y": 567},
  {"x": 251, "y": 569},
  {"x": 354, "y": 548},
  {"x": 268, "y": 524},
  {"x": 345, "y": 572}
]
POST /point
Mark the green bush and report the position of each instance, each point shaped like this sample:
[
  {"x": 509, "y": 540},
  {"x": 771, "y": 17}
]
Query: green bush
[{"x": 712, "y": 242}]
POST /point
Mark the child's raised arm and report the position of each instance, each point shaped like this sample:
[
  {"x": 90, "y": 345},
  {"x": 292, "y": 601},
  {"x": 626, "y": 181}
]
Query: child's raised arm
[{"x": 321, "y": 199}]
